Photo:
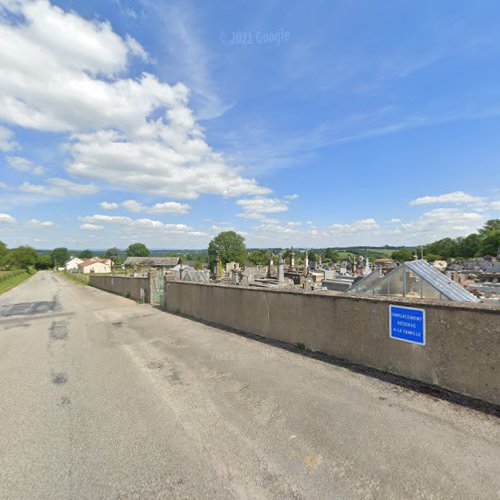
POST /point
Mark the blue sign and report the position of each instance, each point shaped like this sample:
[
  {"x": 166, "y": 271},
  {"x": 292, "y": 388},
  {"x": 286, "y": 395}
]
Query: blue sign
[{"x": 407, "y": 324}]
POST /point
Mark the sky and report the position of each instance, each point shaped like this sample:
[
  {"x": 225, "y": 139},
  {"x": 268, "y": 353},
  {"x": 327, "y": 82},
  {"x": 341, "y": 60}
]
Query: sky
[{"x": 313, "y": 124}]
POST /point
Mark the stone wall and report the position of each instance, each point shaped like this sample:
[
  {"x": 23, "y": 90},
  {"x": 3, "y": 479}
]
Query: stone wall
[
  {"x": 128, "y": 286},
  {"x": 462, "y": 351}
]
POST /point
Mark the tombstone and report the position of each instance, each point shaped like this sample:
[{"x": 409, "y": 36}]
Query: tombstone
[
  {"x": 232, "y": 265},
  {"x": 306, "y": 262},
  {"x": 247, "y": 276},
  {"x": 281, "y": 270},
  {"x": 367, "y": 270},
  {"x": 235, "y": 276},
  {"x": 270, "y": 268},
  {"x": 216, "y": 266},
  {"x": 329, "y": 274},
  {"x": 343, "y": 268}
]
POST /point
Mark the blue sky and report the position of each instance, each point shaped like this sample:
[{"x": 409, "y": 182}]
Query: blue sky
[{"x": 312, "y": 123}]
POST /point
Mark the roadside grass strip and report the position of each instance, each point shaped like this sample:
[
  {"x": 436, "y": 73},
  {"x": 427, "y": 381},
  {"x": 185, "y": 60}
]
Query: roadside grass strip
[
  {"x": 10, "y": 279},
  {"x": 81, "y": 279}
]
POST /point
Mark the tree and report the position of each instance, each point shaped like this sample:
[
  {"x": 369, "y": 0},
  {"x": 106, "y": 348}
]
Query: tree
[
  {"x": 3, "y": 252},
  {"x": 259, "y": 257},
  {"x": 446, "y": 248},
  {"x": 112, "y": 253},
  {"x": 137, "y": 250},
  {"x": 490, "y": 245},
  {"x": 44, "y": 262},
  {"x": 432, "y": 257},
  {"x": 490, "y": 226},
  {"x": 469, "y": 246},
  {"x": 23, "y": 257},
  {"x": 59, "y": 256},
  {"x": 229, "y": 246},
  {"x": 403, "y": 255},
  {"x": 331, "y": 254},
  {"x": 85, "y": 254},
  {"x": 485, "y": 242}
]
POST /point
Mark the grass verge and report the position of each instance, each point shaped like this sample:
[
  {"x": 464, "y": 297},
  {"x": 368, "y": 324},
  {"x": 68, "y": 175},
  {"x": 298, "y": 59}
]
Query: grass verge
[
  {"x": 11, "y": 279},
  {"x": 81, "y": 279}
]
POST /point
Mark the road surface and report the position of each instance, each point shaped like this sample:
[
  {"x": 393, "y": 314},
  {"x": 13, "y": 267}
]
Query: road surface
[{"x": 105, "y": 398}]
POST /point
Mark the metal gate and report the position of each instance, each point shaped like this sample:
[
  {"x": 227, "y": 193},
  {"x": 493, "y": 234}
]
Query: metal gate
[{"x": 157, "y": 289}]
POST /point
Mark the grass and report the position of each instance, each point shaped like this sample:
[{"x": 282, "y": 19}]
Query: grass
[
  {"x": 10, "y": 279},
  {"x": 81, "y": 279}
]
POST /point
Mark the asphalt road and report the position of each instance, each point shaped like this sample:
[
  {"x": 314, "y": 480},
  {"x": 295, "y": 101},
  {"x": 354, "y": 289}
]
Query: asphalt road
[{"x": 105, "y": 398}]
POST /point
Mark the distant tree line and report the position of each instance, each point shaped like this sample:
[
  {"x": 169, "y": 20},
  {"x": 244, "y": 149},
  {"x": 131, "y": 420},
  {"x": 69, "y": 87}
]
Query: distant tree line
[
  {"x": 28, "y": 258},
  {"x": 485, "y": 242},
  {"x": 230, "y": 246}
]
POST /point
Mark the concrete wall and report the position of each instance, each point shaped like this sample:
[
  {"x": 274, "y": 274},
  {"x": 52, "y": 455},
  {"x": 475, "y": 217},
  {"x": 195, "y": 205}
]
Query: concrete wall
[
  {"x": 462, "y": 352},
  {"x": 123, "y": 285}
]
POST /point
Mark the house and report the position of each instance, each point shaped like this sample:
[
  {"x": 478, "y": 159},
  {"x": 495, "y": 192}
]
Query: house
[
  {"x": 72, "y": 264},
  {"x": 94, "y": 266},
  {"x": 159, "y": 263},
  {"x": 109, "y": 262}
]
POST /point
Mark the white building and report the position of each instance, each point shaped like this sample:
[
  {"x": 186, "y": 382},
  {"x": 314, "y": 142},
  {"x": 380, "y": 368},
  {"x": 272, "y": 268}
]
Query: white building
[
  {"x": 94, "y": 266},
  {"x": 72, "y": 264}
]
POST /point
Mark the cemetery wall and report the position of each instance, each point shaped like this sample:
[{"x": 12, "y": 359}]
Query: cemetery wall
[
  {"x": 462, "y": 351},
  {"x": 128, "y": 286}
]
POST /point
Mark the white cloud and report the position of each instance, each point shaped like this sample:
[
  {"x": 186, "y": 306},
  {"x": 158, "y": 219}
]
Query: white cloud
[
  {"x": 127, "y": 223},
  {"x": 272, "y": 226},
  {"x": 108, "y": 206},
  {"x": 442, "y": 222},
  {"x": 112, "y": 219},
  {"x": 165, "y": 207},
  {"x": 67, "y": 76},
  {"x": 137, "y": 49},
  {"x": 363, "y": 225},
  {"x": 255, "y": 208},
  {"x": 430, "y": 226},
  {"x": 40, "y": 223},
  {"x": 7, "y": 142},
  {"x": 170, "y": 207},
  {"x": 220, "y": 229},
  {"x": 291, "y": 196},
  {"x": 133, "y": 206},
  {"x": 171, "y": 160},
  {"x": 457, "y": 197},
  {"x": 25, "y": 165},
  {"x": 57, "y": 187},
  {"x": 91, "y": 227},
  {"x": 250, "y": 215},
  {"x": 7, "y": 218}
]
